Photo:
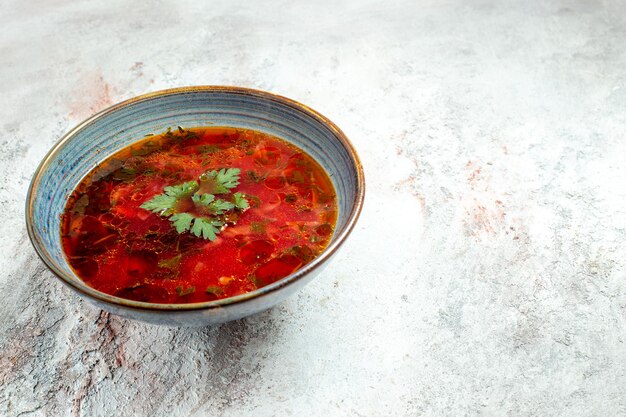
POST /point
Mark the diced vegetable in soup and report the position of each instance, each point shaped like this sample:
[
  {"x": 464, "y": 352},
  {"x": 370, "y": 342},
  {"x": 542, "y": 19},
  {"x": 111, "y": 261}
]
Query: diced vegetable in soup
[{"x": 198, "y": 214}]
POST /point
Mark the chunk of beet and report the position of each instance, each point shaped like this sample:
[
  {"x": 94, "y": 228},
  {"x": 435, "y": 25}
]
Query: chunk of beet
[
  {"x": 277, "y": 268},
  {"x": 141, "y": 263},
  {"x": 256, "y": 251}
]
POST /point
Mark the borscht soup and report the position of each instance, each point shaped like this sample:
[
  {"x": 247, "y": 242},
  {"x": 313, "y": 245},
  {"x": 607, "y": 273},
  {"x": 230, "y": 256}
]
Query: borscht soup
[{"x": 198, "y": 214}]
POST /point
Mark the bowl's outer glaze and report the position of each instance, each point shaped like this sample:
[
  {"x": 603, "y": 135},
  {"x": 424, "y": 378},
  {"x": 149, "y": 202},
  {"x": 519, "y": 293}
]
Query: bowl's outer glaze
[{"x": 119, "y": 126}]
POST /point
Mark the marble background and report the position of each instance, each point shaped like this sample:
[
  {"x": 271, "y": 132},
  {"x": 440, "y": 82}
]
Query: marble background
[{"x": 486, "y": 274}]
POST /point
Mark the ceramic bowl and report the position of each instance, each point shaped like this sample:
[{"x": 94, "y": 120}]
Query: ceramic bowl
[{"x": 100, "y": 136}]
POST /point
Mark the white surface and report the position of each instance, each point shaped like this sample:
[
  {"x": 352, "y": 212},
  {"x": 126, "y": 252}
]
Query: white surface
[{"x": 485, "y": 277}]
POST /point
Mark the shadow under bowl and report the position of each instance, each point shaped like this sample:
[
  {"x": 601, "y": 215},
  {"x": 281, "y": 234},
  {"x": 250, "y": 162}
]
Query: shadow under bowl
[{"x": 117, "y": 127}]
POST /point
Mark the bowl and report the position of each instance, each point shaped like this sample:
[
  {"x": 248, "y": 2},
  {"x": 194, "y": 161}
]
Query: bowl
[{"x": 100, "y": 136}]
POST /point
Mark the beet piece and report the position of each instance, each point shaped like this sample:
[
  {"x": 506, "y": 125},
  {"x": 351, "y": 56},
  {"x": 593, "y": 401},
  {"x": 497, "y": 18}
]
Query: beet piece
[
  {"x": 256, "y": 251},
  {"x": 275, "y": 182},
  {"x": 141, "y": 263},
  {"x": 277, "y": 268}
]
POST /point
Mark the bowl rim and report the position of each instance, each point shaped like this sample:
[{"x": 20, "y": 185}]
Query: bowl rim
[{"x": 90, "y": 292}]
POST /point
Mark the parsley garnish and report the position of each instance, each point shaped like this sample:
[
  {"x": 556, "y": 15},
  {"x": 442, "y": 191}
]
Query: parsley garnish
[
  {"x": 220, "y": 206},
  {"x": 240, "y": 202},
  {"x": 165, "y": 204},
  {"x": 206, "y": 228},
  {"x": 181, "y": 291},
  {"x": 254, "y": 177},
  {"x": 182, "y": 221},
  {"x": 182, "y": 134},
  {"x": 182, "y": 190},
  {"x": 209, "y": 214},
  {"x": 171, "y": 263},
  {"x": 160, "y": 204},
  {"x": 257, "y": 227},
  {"x": 215, "y": 290},
  {"x": 219, "y": 182}
]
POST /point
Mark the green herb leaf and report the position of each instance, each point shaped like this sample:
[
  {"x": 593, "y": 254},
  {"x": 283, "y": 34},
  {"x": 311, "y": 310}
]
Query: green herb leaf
[
  {"x": 214, "y": 211},
  {"x": 215, "y": 290},
  {"x": 182, "y": 221},
  {"x": 170, "y": 263},
  {"x": 182, "y": 190},
  {"x": 240, "y": 202},
  {"x": 220, "y": 206},
  {"x": 206, "y": 228},
  {"x": 160, "y": 204},
  {"x": 203, "y": 199},
  {"x": 254, "y": 200},
  {"x": 229, "y": 178},
  {"x": 185, "y": 291},
  {"x": 257, "y": 227},
  {"x": 224, "y": 179},
  {"x": 208, "y": 149},
  {"x": 297, "y": 177},
  {"x": 216, "y": 207},
  {"x": 183, "y": 133},
  {"x": 254, "y": 177},
  {"x": 303, "y": 252},
  {"x": 125, "y": 174}
]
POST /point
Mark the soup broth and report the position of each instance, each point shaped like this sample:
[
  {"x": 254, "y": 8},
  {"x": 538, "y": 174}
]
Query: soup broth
[{"x": 198, "y": 214}]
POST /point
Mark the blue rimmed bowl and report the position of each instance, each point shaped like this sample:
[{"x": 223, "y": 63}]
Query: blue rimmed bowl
[{"x": 105, "y": 133}]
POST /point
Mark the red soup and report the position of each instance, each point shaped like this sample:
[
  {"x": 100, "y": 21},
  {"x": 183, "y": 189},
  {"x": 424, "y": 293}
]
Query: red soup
[{"x": 198, "y": 214}]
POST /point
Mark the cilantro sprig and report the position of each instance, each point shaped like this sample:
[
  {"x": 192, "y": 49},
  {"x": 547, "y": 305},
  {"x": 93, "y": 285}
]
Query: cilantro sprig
[
  {"x": 209, "y": 213},
  {"x": 165, "y": 204},
  {"x": 219, "y": 182}
]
